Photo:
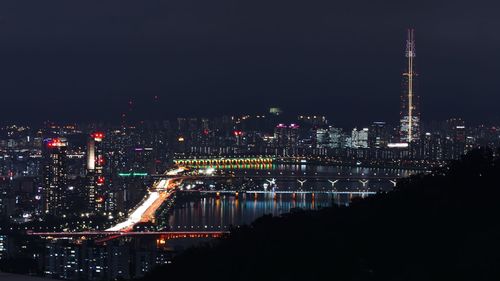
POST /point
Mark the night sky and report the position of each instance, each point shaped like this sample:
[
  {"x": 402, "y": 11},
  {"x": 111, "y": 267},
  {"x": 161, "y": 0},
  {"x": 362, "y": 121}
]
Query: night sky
[{"x": 84, "y": 60}]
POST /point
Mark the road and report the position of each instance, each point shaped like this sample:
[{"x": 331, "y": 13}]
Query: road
[{"x": 146, "y": 210}]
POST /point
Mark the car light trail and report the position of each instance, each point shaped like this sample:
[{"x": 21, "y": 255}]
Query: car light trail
[
  {"x": 136, "y": 215},
  {"x": 146, "y": 210}
]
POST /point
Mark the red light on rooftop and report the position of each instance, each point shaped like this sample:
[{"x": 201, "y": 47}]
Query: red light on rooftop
[
  {"x": 97, "y": 135},
  {"x": 55, "y": 142}
]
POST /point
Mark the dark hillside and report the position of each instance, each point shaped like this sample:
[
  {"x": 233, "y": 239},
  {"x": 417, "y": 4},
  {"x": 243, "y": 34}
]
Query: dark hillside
[{"x": 443, "y": 226}]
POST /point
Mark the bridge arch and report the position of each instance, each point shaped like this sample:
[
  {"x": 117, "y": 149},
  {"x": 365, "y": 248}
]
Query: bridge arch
[{"x": 250, "y": 160}]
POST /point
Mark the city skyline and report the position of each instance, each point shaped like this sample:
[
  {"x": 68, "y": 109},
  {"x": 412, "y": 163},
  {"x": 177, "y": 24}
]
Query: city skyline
[{"x": 256, "y": 140}]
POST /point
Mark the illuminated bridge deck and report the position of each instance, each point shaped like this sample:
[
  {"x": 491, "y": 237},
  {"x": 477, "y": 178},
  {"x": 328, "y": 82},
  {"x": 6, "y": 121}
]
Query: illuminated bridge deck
[
  {"x": 117, "y": 234},
  {"x": 332, "y": 192},
  {"x": 287, "y": 177}
]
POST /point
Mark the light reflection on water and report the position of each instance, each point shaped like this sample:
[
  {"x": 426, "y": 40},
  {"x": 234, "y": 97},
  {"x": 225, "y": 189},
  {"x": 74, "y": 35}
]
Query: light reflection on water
[{"x": 212, "y": 213}]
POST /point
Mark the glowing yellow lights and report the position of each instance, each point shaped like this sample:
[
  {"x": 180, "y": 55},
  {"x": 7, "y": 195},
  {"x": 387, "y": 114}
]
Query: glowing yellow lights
[{"x": 180, "y": 139}]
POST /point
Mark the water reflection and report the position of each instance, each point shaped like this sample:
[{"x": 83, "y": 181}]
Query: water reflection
[
  {"x": 218, "y": 213},
  {"x": 215, "y": 213}
]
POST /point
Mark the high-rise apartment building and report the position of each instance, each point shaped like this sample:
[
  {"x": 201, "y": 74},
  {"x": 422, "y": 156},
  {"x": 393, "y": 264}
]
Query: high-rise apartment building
[
  {"x": 95, "y": 173},
  {"x": 55, "y": 176}
]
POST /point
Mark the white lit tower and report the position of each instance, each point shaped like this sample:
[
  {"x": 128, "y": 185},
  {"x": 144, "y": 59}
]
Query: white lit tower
[
  {"x": 95, "y": 175},
  {"x": 410, "y": 108}
]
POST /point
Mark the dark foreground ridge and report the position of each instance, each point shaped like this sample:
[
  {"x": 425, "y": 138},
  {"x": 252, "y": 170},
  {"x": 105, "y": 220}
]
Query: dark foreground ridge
[{"x": 442, "y": 226}]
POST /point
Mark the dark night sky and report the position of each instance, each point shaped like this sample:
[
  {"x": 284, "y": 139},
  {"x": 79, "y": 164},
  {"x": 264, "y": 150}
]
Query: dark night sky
[{"x": 83, "y": 60}]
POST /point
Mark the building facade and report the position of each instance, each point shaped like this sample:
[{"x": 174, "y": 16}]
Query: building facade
[{"x": 55, "y": 177}]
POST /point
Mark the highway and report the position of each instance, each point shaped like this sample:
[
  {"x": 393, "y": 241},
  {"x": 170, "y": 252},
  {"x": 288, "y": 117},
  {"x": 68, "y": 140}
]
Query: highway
[
  {"x": 137, "y": 215},
  {"x": 145, "y": 211}
]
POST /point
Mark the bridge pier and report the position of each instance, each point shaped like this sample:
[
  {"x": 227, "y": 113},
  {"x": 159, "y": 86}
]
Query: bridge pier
[
  {"x": 301, "y": 182},
  {"x": 272, "y": 183},
  {"x": 363, "y": 182},
  {"x": 333, "y": 182}
]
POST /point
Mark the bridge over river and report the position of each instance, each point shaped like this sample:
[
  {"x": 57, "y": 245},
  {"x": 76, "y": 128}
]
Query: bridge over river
[{"x": 176, "y": 180}]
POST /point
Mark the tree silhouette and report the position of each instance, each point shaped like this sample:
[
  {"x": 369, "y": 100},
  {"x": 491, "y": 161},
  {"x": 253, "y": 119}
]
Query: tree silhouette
[{"x": 439, "y": 226}]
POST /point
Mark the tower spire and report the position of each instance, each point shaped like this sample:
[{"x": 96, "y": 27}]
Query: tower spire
[{"x": 410, "y": 119}]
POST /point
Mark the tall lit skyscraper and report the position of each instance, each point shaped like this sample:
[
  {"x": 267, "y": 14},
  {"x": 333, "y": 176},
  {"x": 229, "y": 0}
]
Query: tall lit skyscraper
[
  {"x": 55, "y": 176},
  {"x": 95, "y": 177},
  {"x": 410, "y": 111}
]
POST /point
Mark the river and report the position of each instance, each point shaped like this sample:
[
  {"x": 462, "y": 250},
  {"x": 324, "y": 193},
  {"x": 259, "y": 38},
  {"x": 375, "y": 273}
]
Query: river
[{"x": 209, "y": 212}]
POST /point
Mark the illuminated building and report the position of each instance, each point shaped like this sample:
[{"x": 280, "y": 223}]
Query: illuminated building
[
  {"x": 62, "y": 261},
  {"x": 238, "y": 135},
  {"x": 410, "y": 111},
  {"x": 455, "y": 138},
  {"x": 67, "y": 260},
  {"x": 95, "y": 175},
  {"x": 432, "y": 148},
  {"x": 359, "y": 138},
  {"x": 286, "y": 136},
  {"x": 4, "y": 247},
  {"x": 293, "y": 135},
  {"x": 455, "y": 128},
  {"x": 379, "y": 136},
  {"x": 4, "y": 198},
  {"x": 322, "y": 138},
  {"x": 275, "y": 111},
  {"x": 55, "y": 176},
  {"x": 337, "y": 137},
  {"x": 329, "y": 138},
  {"x": 280, "y": 135}
]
